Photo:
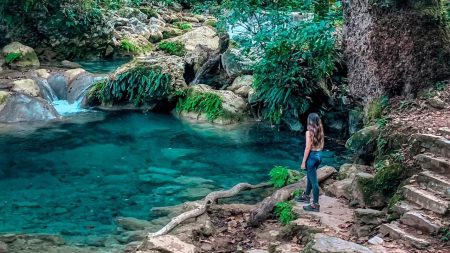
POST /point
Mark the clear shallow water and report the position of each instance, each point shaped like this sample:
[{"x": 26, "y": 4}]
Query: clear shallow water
[
  {"x": 103, "y": 66},
  {"x": 74, "y": 177}
]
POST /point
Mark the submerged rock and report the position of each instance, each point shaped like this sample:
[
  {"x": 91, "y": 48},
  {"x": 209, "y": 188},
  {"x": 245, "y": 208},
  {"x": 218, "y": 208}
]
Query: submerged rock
[
  {"x": 328, "y": 244},
  {"x": 26, "y": 57},
  {"x": 133, "y": 224},
  {"x": 21, "y": 108}
]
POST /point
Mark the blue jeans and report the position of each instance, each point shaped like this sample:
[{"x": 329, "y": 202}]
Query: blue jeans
[{"x": 312, "y": 164}]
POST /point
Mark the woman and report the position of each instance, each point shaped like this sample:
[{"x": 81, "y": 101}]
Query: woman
[{"x": 311, "y": 161}]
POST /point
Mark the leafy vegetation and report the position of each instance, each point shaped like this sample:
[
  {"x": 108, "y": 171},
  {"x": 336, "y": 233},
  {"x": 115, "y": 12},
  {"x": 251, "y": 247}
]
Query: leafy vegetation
[
  {"x": 285, "y": 213},
  {"x": 131, "y": 47},
  {"x": 172, "y": 47},
  {"x": 281, "y": 176},
  {"x": 12, "y": 57},
  {"x": 138, "y": 85},
  {"x": 184, "y": 26},
  {"x": 294, "y": 55},
  {"x": 376, "y": 108},
  {"x": 202, "y": 102},
  {"x": 445, "y": 234}
]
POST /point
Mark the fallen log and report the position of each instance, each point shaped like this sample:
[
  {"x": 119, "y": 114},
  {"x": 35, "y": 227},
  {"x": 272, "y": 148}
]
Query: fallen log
[
  {"x": 211, "y": 198},
  {"x": 265, "y": 207}
]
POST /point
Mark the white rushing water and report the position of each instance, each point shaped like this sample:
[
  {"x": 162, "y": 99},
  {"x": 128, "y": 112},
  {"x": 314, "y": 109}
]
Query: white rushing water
[{"x": 63, "y": 107}]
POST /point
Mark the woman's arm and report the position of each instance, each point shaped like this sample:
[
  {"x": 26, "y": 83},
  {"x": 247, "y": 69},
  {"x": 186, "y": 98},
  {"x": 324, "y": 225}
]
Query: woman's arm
[{"x": 307, "y": 149}]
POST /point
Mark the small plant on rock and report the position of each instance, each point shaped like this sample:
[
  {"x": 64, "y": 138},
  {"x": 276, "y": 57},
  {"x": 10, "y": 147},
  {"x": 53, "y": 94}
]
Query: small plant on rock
[
  {"x": 285, "y": 213},
  {"x": 184, "y": 26},
  {"x": 173, "y": 47},
  {"x": 12, "y": 57},
  {"x": 445, "y": 234},
  {"x": 281, "y": 176}
]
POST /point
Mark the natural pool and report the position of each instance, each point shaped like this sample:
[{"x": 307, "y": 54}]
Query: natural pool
[{"x": 74, "y": 177}]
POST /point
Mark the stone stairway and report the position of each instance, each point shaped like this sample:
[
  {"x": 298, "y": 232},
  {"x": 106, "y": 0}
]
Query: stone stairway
[{"x": 426, "y": 208}]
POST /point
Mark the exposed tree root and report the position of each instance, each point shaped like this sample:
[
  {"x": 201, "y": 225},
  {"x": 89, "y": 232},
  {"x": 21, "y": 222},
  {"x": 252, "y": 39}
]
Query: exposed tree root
[
  {"x": 265, "y": 207},
  {"x": 210, "y": 199}
]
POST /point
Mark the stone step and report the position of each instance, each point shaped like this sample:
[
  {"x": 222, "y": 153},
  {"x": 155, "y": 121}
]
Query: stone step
[
  {"x": 432, "y": 143},
  {"x": 421, "y": 221},
  {"x": 444, "y": 132},
  {"x": 426, "y": 199},
  {"x": 394, "y": 231},
  {"x": 403, "y": 207},
  {"x": 437, "y": 164},
  {"x": 435, "y": 182}
]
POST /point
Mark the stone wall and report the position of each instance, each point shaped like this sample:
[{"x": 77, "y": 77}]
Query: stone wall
[{"x": 394, "y": 49}]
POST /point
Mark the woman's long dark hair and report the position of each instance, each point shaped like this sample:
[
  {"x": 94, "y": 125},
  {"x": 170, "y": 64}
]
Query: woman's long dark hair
[{"x": 316, "y": 129}]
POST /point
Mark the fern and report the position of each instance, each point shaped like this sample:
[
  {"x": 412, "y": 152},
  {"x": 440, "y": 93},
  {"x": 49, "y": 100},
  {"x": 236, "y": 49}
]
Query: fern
[
  {"x": 172, "y": 47},
  {"x": 138, "y": 85},
  {"x": 201, "y": 102},
  {"x": 12, "y": 57},
  {"x": 284, "y": 212},
  {"x": 129, "y": 46}
]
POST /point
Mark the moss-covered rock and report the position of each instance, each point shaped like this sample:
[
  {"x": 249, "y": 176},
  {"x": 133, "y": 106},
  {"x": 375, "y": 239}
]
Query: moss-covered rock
[
  {"x": 4, "y": 95},
  {"x": 355, "y": 120},
  {"x": 202, "y": 103},
  {"x": 363, "y": 143},
  {"x": 20, "y": 56}
]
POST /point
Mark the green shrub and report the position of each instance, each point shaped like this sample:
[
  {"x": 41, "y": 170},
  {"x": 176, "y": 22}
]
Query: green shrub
[
  {"x": 284, "y": 212},
  {"x": 172, "y": 47},
  {"x": 12, "y": 57},
  {"x": 281, "y": 176},
  {"x": 445, "y": 232},
  {"x": 184, "y": 26},
  {"x": 201, "y": 102},
  {"x": 138, "y": 85},
  {"x": 131, "y": 47},
  {"x": 440, "y": 86},
  {"x": 211, "y": 22}
]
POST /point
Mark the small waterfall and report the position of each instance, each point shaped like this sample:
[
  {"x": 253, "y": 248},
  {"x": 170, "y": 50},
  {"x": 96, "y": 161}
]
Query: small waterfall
[
  {"x": 63, "y": 107},
  {"x": 47, "y": 91}
]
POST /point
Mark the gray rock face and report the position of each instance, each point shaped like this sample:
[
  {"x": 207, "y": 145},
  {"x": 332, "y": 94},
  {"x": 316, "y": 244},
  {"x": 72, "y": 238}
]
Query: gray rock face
[
  {"x": 59, "y": 84},
  {"x": 327, "y": 244},
  {"x": 169, "y": 244},
  {"x": 236, "y": 64},
  {"x": 22, "y": 108},
  {"x": 78, "y": 87}
]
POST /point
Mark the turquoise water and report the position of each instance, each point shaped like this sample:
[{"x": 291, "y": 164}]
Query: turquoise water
[
  {"x": 103, "y": 66},
  {"x": 73, "y": 177}
]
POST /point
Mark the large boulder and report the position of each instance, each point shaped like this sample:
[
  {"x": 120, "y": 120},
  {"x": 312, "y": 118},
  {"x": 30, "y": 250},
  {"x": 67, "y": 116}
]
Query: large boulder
[
  {"x": 59, "y": 84},
  {"x": 328, "y": 244},
  {"x": 26, "y": 55},
  {"x": 363, "y": 143},
  {"x": 363, "y": 194},
  {"x": 395, "y": 49},
  {"x": 78, "y": 87},
  {"x": 235, "y": 63},
  {"x": 242, "y": 85},
  {"x": 234, "y": 106},
  {"x": 200, "y": 43},
  {"x": 203, "y": 36},
  {"x": 21, "y": 108},
  {"x": 26, "y": 86}
]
